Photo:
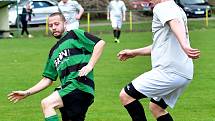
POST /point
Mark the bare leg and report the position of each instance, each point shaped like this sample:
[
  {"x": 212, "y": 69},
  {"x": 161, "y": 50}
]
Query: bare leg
[{"x": 50, "y": 103}]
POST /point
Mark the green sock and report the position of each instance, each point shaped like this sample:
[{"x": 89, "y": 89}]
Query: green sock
[{"x": 52, "y": 118}]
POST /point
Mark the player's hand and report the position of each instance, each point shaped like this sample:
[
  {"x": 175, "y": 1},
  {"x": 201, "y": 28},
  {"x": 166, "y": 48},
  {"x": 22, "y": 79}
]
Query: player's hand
[
  {"x": 125, "y": 54},
  {"x": 192, "y": 53},
  {"x": 78, "y": 17},
  {"x": 16, "y": 96},
  {"x": 124, "y": 19},
  {"x": 85, "y": 70}
]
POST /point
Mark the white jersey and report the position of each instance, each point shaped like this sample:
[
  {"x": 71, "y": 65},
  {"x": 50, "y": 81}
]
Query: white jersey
[
  {"x": 167, "y": 54},
  {"x": 172, "y": 70},
  {"x": 116, "y": 8},
  {"x": 70, "y": 10}
]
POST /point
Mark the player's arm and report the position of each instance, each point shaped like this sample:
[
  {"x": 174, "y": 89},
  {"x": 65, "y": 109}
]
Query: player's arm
[
  {"x": 124, "y": 15},
  {"x": 108, "y": 12},
  {"x": 59, "y": 8},
  {"x": 179, "y": 30},
  {"x": 80, "y": 11},
  {"x": 130, "y": 53},
  {"x": 108, "y": 15},
  {"x": 97, "y": 51},
  {"x": 19, "y": 95},
  {"x": 124, "y": 12}
]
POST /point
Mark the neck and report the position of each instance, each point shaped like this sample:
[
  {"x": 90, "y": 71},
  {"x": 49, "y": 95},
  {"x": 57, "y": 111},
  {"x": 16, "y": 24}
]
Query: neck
[{"x": 65, "y": 1}]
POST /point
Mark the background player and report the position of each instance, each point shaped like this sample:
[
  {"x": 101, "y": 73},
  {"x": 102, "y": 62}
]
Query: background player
[
  {"x": 72, "y": 58},
  {"x": 116, "y": 12},
  {"x": 172, "y": 66},
  {"x": 72, "y": 11}
]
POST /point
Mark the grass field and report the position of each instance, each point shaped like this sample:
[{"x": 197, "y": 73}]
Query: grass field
[{"x": 22, "y": 62}]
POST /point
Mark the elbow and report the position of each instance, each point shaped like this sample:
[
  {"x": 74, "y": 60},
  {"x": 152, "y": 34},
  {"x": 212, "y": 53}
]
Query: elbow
[
  {"x": 82, "y": 10},
  {"x": 102, "y": 42},
  {"x": 47, "y": 81}
]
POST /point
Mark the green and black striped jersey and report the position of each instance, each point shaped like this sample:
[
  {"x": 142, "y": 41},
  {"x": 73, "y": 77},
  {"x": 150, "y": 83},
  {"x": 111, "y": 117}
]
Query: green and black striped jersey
[{"x": 72, "y": 52}]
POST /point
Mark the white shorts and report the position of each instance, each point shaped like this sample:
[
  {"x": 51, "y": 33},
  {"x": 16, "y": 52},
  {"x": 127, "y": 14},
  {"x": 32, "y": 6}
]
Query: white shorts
[
  {"x": 158, "y": 84},
  {"x": 72, "y": 26},
  {"x": 116, "y": 22}
]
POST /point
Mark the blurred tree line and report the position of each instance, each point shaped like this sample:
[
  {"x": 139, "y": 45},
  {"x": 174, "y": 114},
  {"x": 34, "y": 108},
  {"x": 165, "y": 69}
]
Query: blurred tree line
[
  {"x": 212, "y": 2},
  {"x": 98, "y": 8},
  {"x": 97, "y": 5}
]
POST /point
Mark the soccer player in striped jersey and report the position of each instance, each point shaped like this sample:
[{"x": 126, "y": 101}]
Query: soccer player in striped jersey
[
  {"x": 72, "y": 59},
  {"x": 116, "y": 12},
  {"x": 72, "y": 11}
]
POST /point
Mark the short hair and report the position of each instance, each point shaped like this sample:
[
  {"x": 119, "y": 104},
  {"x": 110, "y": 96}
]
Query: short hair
[{"x": 58, "y": 14}]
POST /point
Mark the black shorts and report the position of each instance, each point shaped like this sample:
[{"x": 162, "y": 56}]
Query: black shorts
[{"x": 76, "y": 105}]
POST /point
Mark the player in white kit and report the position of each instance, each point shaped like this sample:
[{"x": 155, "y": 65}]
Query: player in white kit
[
  {"x": 172, "y": 66},
  {"x": 72, "y": 11},
  {"x": 116, "y": 12}
]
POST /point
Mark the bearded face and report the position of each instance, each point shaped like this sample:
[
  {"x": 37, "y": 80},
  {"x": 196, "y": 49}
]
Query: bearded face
[{"x": 56, "y": 26}]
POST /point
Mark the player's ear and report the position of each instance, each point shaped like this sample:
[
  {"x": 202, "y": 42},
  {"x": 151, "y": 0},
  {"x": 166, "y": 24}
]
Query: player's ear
[{"x": 64, "y": 24}]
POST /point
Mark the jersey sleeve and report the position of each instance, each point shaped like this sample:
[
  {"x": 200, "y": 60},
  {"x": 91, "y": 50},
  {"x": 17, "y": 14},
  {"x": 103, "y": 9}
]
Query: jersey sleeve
[
  {"x": 88, "y": 40},
  {"x": 59, "y": 5},
  {"x": 50, "y": 71},
  {"x": 165, "y": 14},
  {"x": 123, "y": 7},
  {"x": 77, "y": 5}
]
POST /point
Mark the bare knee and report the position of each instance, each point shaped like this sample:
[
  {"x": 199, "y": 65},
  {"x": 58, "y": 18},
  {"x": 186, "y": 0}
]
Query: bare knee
[
  {"x": 45, "y": 103},
  {"x": 52, "y": 101},
  {"x": 156, "y": 110},
  {"x": 125, "y": 98}
]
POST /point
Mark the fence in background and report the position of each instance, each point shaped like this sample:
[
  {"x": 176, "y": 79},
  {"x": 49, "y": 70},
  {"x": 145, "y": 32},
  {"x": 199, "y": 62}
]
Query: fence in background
[
  {"x": 133, "y": 17},
  {"x": 96, "y": 22}
]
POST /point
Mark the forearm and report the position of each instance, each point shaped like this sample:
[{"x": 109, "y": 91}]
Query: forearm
[
  {"x": 98, "y": 49},
  {"x": 124, "y": 15},
  {"x": 44, "y": 83},
  {"x": 108, "y": 14},
  {"x": 145, "y": 51},
  {"x": 180, "y": 32},
  {"x": 81, "y": 11}
]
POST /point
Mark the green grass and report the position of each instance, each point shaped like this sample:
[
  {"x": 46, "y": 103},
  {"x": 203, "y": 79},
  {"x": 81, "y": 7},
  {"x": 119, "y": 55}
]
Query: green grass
[{"x": 22, "y": 62}]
